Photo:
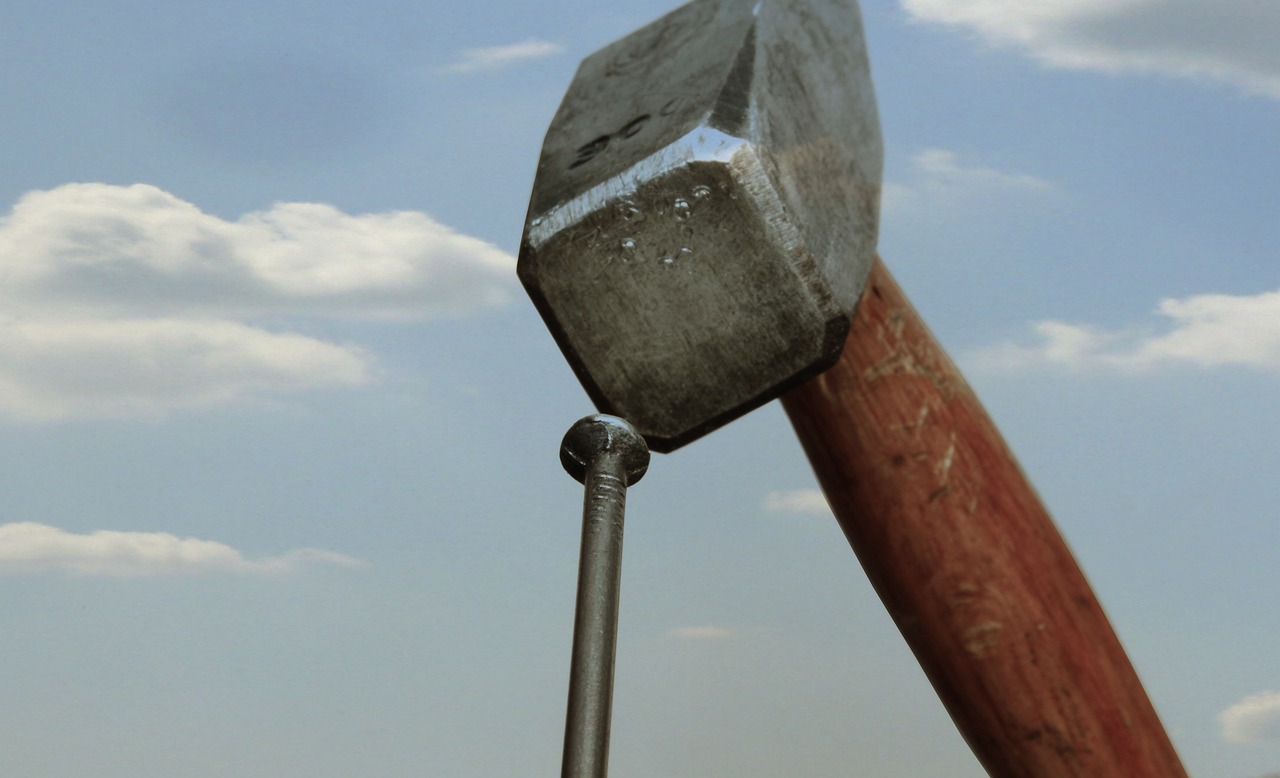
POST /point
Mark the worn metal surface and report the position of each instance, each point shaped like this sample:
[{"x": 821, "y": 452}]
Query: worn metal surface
[
  {"x": 607, "y": 455},
  {"x": 705, "y": 209}
]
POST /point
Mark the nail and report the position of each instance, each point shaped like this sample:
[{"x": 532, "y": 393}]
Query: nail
[{"x": 606, "y": 455}]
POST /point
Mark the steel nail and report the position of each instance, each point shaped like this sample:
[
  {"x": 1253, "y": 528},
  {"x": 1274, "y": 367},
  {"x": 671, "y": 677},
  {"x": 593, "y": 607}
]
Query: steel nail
[{"x": 606, "y": 455}]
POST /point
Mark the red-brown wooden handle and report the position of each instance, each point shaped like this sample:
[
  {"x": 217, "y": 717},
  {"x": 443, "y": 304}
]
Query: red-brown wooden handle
[{"x": 967, "y": 560}]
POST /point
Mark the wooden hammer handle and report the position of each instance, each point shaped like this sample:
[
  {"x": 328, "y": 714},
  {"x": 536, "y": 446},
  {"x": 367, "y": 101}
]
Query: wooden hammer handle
[{"x": 967, "y": 560}]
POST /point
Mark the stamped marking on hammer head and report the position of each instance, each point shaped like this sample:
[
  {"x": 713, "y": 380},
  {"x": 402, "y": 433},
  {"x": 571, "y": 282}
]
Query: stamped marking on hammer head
[{"x": 705, "y": 210}]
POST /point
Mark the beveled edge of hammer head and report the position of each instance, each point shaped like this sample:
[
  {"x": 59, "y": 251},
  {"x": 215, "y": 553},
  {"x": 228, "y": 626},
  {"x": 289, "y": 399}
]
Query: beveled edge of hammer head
[{"x": 705, "y": 210}]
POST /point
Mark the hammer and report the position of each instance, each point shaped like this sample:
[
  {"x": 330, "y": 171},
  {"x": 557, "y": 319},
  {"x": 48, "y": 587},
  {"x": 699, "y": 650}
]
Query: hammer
[{"x": 701, "y": 239}]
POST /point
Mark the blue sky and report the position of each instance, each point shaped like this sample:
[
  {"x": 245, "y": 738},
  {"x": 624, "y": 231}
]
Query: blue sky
[{"x": 281, "y": 487}]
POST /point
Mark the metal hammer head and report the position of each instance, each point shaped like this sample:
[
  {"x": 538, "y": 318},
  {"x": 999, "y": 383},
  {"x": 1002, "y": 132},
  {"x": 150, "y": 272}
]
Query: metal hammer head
[{"x": 705, "y": 210}]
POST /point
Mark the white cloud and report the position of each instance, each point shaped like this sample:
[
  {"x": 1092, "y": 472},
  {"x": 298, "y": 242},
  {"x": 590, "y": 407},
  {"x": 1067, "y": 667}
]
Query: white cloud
[
  {"x": 1211, "y": 330},
  {"x": 802, "y": 501},
  {"x": 27, "y": 547},
  {"x": 150, "y": 367},
  {"x": 1252, "y": 719},
  {"x": 133, "y": 249},
  {"x": 939, "y": 179},
  {"x": 495, "y": 57},
  {"x": 122, "y": 300},
  {"x": 700, "y": 633},
  {"x": 1230, "y": 41}
]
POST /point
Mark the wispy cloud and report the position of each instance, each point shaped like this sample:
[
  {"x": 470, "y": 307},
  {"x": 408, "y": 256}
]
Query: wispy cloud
[
  {"x": 1211, "y": 330},
  {"x": 1253, "y": 719},
  {"x": 809, "y": 501},
  {"x": 1229, "y": 41},
  {"x": 496, "y": 57},
  {"x": 938, "y": 178},
  {"x": 700, "y": 633},
  {"x": 27, "y": 547},
  {"x": 138, "y": 249},
  {"x": 146, "y": 368},
  {"x": 127, "y": 300}
]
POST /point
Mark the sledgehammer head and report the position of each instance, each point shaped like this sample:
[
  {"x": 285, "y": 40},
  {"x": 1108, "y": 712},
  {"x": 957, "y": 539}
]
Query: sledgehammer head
[{"x": 705, "y": 210}]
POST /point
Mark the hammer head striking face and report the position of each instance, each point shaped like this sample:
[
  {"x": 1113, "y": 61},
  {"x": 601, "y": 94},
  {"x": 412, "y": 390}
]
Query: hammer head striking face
[{"x": 705, "y": 209}]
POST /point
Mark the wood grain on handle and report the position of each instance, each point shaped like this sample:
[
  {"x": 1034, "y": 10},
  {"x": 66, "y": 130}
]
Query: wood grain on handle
[{"x": 967, "y": 560}]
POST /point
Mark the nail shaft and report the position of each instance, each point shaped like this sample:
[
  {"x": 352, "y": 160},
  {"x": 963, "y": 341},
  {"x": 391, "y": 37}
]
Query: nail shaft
[{"x": 607, "y": 455}]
